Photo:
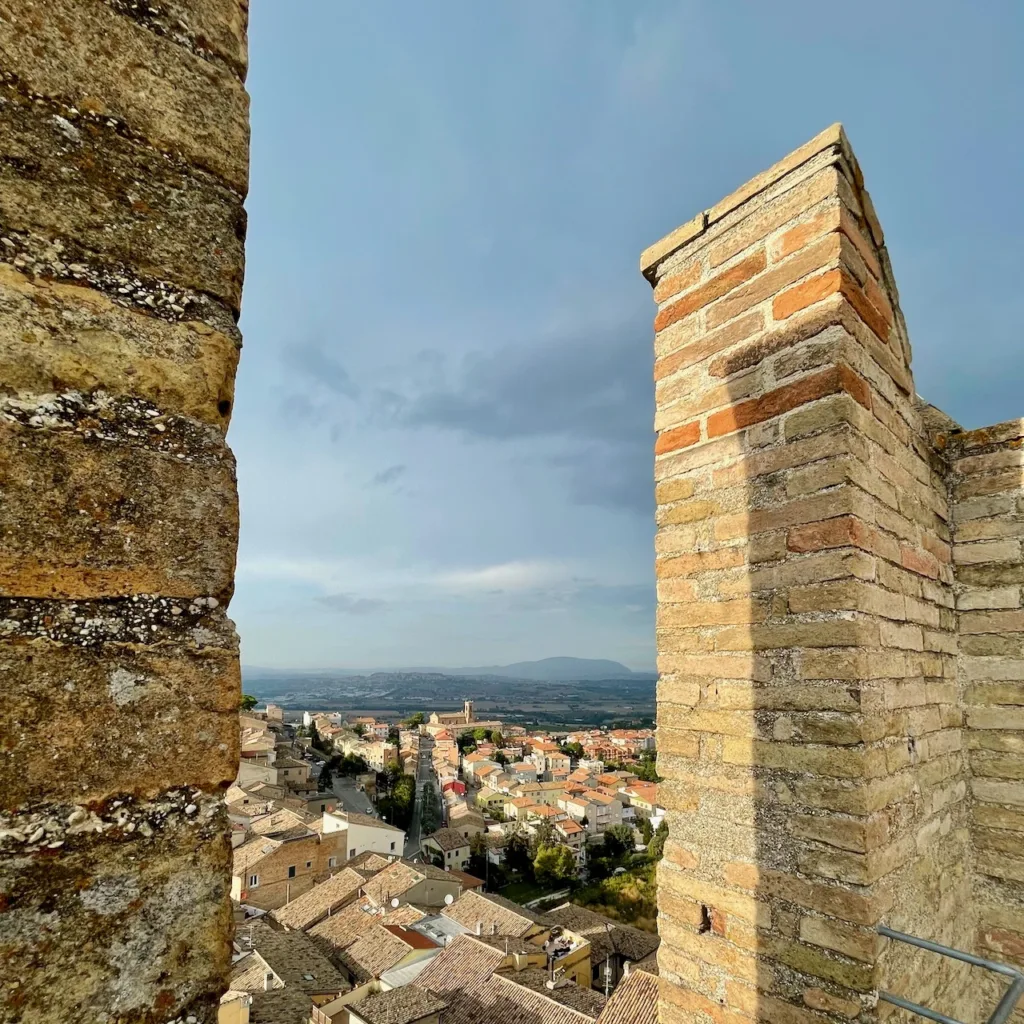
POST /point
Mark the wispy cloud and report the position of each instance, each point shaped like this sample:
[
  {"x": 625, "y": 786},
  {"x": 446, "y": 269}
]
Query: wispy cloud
[
  {"x": 389, "y": 475},
  {"x": 348, "y": 604}
]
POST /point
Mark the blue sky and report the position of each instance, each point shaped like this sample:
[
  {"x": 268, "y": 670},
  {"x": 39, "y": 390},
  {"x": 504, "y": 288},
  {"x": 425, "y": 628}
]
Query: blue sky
[{"x": 444, "y": 407}]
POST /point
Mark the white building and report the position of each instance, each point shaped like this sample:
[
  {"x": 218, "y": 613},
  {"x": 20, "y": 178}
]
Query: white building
[{"x": 366, "y": 834}]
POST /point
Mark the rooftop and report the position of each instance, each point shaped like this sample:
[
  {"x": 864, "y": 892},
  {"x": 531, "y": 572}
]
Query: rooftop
[
  {"x": 447, "y": 839},
  {"x": 606, "y": 936},
  {"x": 635, "y": 1001},
  {"x": 494, "y": 914},
  {"x": 404, "y": 1005},
  {"x": 312, "y": 906},
  {"x": 536, "y": 978}
]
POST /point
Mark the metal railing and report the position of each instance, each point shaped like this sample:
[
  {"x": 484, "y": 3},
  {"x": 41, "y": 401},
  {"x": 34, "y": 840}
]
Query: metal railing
[{"x": 1006, "y": 1005}]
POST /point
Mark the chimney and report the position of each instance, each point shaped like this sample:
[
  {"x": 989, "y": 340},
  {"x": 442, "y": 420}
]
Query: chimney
[
  {"x": 479, "y": 927},
  {"x": 494, "y": 927},
  {"x": 625, "y": 969},
  {"x": 268, "y": 981}
]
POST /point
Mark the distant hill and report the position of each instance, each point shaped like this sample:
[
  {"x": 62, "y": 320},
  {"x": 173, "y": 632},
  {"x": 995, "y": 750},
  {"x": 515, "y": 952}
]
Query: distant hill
[{"x": 552, "y": 670}]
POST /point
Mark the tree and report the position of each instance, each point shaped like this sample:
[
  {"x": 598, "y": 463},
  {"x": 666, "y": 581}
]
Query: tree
[
  {"x": 351, "y": 765},
  {"x": 646, "y": 831},
  {"x": 618, "y": 841},
  {"x": 248, "y": 702},
  {"x": 499, "y": 758},
  {"x": 477, "y": 865},
  {"x": 517, "y": 853},
  {"x": 315, "y": 739},
  {"x": 387, "y": 778},
  {"x": 325, "y": 780},
  {"x": 496, "y": 738},
  {"x": 657, "y": 845},
  {"x": 481, "y": 735},
  {"x": 554, "y": 864},
  {"x": 572, "y": 750},
  {"x": 646, "y": 768},
  {"x": 418, "y": 718},
  {"x": 543, "y": 834},
  {"x": 359, "y": 729}
]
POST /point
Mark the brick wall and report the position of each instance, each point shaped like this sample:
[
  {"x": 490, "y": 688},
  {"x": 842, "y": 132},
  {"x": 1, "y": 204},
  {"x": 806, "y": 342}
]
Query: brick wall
[
  {"x": 125, "y": 150},
  {"x": 809, "y": 706},
  {"x": 987, "y": 487}
]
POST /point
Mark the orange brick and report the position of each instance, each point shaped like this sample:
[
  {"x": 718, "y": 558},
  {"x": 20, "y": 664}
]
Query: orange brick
[
  {"x": 797, "y": 237},
  {"x": 678, "y": 437},
  {"x": 791, "y": 396},
  {"x": 842, "y": 531},
  {"x": 919, "y": 561},
  {"x": 815, "y": 289},
  {"x": 711, "y": 290},
  {"x": 675, "y": 283},
  {"x": 806, "y": 293},
  {"x": 708, "y": 345}
]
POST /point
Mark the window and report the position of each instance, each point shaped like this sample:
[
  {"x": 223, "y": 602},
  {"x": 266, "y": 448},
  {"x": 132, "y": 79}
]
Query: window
[
  {"x": 254, "y": 880},
  {"x": 392, "y": 846},
  {"x": 309, "y": 863},
  {"x": 449, "y": 854},
  {"x": 351, "y": 854},
  {"x": 332, "y": 862},
  {"x": 291, "y": 871}
]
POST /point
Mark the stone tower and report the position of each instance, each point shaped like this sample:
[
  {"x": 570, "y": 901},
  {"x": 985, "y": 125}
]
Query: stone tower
[
  {"x": 468, "y": 708},
  {"x": 840, "y": 624},
  {"x": 124, "y": 131}
]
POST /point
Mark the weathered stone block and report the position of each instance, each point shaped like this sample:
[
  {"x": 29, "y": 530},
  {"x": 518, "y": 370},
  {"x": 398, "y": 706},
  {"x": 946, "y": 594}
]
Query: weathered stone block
[
  {"x": 89, "y": 56},
  {"x": 129, "y": 924},
  {"x": 82, "y": 517},
  {"x": 56, "y": 338},
  {"x": 71, "y": 178},
  {"x": 84, "y": 723}
]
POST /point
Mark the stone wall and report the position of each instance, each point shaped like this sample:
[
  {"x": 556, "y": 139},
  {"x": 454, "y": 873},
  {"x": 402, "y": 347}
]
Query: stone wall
[
  {"x": 812, "y": 690},
  {"x": 124, "y": 140}
]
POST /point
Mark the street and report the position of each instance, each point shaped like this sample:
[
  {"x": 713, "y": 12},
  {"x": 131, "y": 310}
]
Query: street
[{"x": 350, "y": 798}]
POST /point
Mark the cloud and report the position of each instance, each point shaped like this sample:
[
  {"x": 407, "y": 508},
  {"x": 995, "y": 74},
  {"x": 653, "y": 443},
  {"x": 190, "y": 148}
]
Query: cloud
[
  {"x": 347, "y": 604},
  {"x": 590, "y": 384},
  {"x": 389, "y": 475},
  {"x": 507, "y": 576},
  {"x": 319, "y": 366}
]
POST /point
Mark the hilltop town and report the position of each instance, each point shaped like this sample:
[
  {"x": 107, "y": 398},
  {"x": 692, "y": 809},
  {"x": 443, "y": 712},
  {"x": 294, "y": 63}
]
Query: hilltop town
[{"x": 391, "y": 871}]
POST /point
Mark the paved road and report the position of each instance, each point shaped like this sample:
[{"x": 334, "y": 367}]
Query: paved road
[{"x": 352, "y": 799}]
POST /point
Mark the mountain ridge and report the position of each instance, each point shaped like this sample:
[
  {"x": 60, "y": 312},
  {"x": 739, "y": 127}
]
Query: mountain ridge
[{"x": 555, "y": 669}]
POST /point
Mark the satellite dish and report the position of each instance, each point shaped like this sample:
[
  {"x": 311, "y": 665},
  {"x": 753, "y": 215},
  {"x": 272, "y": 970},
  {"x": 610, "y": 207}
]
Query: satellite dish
[
  {"x": 394, "y": 902},
  {"x": 449, "y": 899}
]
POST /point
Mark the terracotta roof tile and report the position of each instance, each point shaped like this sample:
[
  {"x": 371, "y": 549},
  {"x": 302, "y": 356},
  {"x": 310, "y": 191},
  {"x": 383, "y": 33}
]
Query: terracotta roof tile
[
  {"x": 314, "y": 905},
  {"x": 635, "y": 1001}
]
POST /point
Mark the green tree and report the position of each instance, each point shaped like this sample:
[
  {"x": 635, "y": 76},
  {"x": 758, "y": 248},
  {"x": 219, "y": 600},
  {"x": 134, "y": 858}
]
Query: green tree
[
  {"x": 325, "y": 779},
  {"x": 499, "y": 758},
  {"x": 554, "y": 864},
  {"x": 359, "y": 729},
  {"x": 573, "y": 750},
  {"x": 481, "y": 735},
  {"x": 248, "y": 702},
  {"x": 657, "y": 845},
  {"x": 496, "y": 738},
  {"x": 477, "y": 865},
  {"x": 543, "y": 835},
  {"x": 418, "y": 718},
  {"x": 646, "y": 831},
  {"x": 387, "y": 778},
  {"x": 351, "y": 765},
  {"x": 646, "y": 768},
  {"x": 618, "y": 841},
  {"x": 517, "y": 853}
]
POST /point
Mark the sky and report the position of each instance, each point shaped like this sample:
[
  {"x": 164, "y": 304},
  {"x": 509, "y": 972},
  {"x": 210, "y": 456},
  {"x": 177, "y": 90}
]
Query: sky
[{"x": 443, "y": 418}]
